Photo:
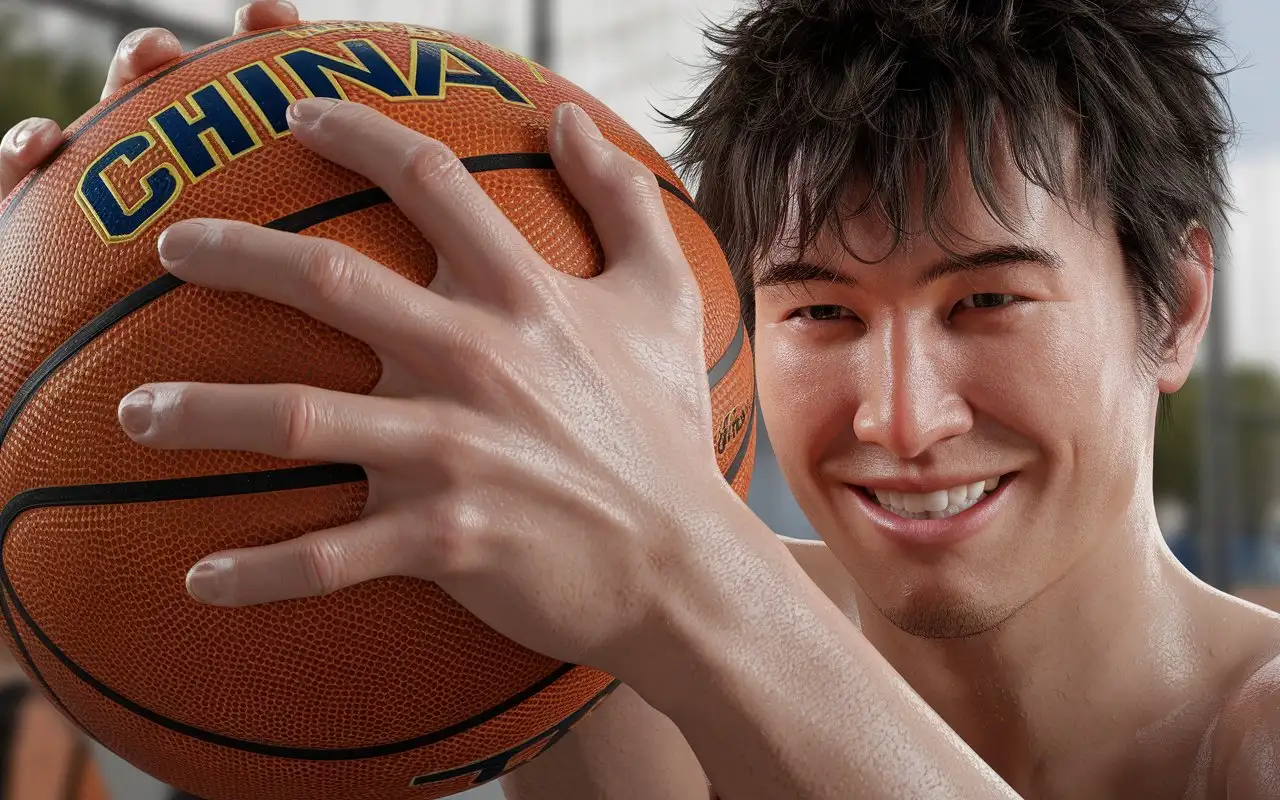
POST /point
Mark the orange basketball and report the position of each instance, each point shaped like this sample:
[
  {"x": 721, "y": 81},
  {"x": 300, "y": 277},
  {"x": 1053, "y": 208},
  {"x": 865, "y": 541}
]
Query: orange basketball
[{"x": 386, "y": 690}]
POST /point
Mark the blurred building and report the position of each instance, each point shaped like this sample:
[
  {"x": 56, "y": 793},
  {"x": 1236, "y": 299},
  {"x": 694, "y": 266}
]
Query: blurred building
[{"x": 1254, "y": 243}]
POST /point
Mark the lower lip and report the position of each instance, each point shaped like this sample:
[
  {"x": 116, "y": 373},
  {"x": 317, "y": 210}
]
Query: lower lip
[{"x": 934, "y": 532}]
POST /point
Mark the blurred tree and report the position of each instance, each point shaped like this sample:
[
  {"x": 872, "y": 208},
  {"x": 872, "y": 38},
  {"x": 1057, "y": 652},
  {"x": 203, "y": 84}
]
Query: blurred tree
[
  {"x": 1177, "y": 466},
  {"x": 57, "y": 83}
]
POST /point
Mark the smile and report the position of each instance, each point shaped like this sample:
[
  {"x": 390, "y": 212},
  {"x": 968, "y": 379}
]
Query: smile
[{"x": 939, "y": 504}]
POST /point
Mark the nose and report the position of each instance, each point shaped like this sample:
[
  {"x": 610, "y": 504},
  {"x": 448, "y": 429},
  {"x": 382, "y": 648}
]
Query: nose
[{"x": 908, "y": 398}]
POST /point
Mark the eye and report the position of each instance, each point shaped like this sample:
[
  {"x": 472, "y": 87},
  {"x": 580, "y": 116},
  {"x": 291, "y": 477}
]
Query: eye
[
  {"x": 826, "y": 313},
  {"x": 989, "y": 300}
]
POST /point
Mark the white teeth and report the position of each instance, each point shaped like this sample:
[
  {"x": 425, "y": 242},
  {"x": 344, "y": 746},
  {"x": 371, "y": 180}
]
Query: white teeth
[
  {"x": 936, "y": 505},
  {"x": 937, "y": 501}
]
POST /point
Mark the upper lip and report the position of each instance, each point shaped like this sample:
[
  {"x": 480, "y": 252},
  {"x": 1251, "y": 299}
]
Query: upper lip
[{"x": 922, "y": 485}]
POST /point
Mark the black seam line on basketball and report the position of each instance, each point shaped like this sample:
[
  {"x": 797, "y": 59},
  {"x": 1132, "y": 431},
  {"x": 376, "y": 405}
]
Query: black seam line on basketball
[
  {"x": 217, "y": 486},
  {"x": 292, "y": 223},
  {"x": 369, "y": 198},
  {"x": 124, "y": 98},
  {"x": 141, "y": 298},
  {"x": 729, "y": 358},
  {"x": 479, "y": 768},
  {"x": 264, "y": 748},
  {"x": 732, "y": 472},
  {"x": 26, "y": 656}
]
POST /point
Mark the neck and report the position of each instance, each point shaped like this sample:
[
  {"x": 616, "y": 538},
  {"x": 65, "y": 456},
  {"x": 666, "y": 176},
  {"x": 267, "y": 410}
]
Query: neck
[{"x": 1103, "y": 655}]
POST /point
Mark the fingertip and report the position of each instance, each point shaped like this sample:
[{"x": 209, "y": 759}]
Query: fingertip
[
  {"x": 209, "y": 581},
  {"x": 24, "y": 148},
  {"x": 31, "y": 140},
  {"x": 287, "y": 12},
  {"x": 148, "y": 48},
  {"x": 304, "y": 115},
  {"x": 242, "y": 20},
  {"x": 140, "y": 52},
  {"x": 262, "y": 14},
  {"x": 575, "y": 135}
]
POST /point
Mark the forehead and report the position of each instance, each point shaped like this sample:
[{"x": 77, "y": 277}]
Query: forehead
[{"x": 1013, "y": 211}]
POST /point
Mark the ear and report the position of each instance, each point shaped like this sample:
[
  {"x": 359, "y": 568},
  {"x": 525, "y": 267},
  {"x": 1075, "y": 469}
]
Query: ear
[{"x": 1190, "y": 320}]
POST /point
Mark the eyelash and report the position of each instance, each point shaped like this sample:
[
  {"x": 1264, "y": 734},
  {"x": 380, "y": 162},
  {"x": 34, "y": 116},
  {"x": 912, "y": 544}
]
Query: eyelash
[{"x": 1009, "y": 300}]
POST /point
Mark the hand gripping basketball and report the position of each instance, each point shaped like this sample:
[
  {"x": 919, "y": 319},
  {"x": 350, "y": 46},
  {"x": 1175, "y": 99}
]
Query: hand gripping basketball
[{"x": 537, "y": 444}]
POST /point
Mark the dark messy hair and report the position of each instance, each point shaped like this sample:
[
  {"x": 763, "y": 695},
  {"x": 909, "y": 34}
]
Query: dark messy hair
[{"x": 811, "y": 97}]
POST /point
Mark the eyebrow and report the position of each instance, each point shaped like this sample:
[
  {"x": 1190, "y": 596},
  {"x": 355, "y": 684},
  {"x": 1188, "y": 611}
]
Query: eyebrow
[{"x": 780, "y": 273}]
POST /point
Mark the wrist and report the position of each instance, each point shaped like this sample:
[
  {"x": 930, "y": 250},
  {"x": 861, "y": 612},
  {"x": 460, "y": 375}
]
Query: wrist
[{"x": 731, "y": 592}]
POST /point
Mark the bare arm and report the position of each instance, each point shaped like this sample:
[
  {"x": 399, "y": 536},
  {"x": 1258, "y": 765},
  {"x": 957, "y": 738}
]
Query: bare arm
[
  {"x": 623, "y": 750},
  {"x": 780, "y": 695}
]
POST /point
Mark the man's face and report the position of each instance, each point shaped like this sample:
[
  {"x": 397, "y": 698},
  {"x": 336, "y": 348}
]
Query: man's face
[{"x": 919, "y": 385}]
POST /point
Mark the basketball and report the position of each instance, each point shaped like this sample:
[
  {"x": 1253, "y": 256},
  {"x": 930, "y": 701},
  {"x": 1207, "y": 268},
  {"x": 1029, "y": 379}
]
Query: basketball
[{"x": 386, "y": 690}]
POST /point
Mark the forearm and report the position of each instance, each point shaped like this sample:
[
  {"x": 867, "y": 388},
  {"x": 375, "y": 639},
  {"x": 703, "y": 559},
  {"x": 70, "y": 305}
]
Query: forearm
[
  {"x": 622, "y": 750},
  {"x": 780, "y": 695}
]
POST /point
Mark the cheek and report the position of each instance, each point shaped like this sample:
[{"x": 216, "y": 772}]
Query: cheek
[
  {"x": 1070, "y": 384},
  {"x": 803, "y": 397}
]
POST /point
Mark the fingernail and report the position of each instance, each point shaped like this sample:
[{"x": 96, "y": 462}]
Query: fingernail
[
  {"x": 287, "y": 6},
  {"x": 180, "y": 241},
  {"x": 130, "y": 43},
  {"x": 135, "y": 412},
  {"x": 24, "y": 133},
  {"x": 310, "y": 110},
  {"x": 584, "y": 122},
  {"x": 207, "y": 581}
]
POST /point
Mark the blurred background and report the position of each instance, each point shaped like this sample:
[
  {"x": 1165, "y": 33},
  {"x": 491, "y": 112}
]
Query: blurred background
[{"x": 1217, "y": 475}]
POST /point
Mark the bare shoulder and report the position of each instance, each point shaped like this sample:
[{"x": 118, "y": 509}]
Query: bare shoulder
[
  {"x": 825, "y": 570},
  {"x": 1245, "y": 762}
]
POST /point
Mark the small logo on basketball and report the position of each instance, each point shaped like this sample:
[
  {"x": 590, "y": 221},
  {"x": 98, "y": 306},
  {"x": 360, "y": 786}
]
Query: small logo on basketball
[{"x": 730, "y": 427}]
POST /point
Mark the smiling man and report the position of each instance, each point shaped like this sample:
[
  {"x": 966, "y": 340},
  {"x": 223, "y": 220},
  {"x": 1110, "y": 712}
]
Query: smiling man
[
  {"x": 974, "y": 243},
  {"x": 975, "y": 240}
]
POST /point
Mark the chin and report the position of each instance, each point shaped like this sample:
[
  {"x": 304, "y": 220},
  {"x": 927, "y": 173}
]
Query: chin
[
  {"x": 933, "y": 615},
  {"x": 927, "y": 595}
]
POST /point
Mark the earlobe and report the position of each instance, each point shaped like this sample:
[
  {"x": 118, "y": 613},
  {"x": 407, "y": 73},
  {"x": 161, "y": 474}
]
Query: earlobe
[{"x": 1190, "y": 320}]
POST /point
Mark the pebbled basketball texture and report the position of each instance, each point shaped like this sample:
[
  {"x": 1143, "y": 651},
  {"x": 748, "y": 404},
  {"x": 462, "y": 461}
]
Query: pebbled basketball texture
[{"x": 388, "y": 689}]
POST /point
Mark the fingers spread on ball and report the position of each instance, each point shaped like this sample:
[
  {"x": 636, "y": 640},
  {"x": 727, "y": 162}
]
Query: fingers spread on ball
[
  {"x": 623, "y": 199},
  {"x": 139, "y": 53},
  {"x": 313, "y": 565},
  {"x": 263, "y": 14},
  {"x": 24, "y": 148},
  {"x": 487, "y": 255},
  {"x": 296, "y": 422},
  {"x": 331, "y": 282}
]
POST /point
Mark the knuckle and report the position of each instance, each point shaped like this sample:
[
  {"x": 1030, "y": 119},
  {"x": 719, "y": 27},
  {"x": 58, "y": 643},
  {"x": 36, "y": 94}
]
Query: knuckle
[
  {"x": 450, "y": 544},
  {"x": 298, "y": 418},
  {"x": 641, "y": 183},
  {"x": 536, "y": 296},
  {"x": 429, "y": 161},
  {"x": 329, "y": 271},
  {"x": 321, "y": 566},
  {"x": 174, "y": 408},
  {"x": 444, "y": 548}
]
